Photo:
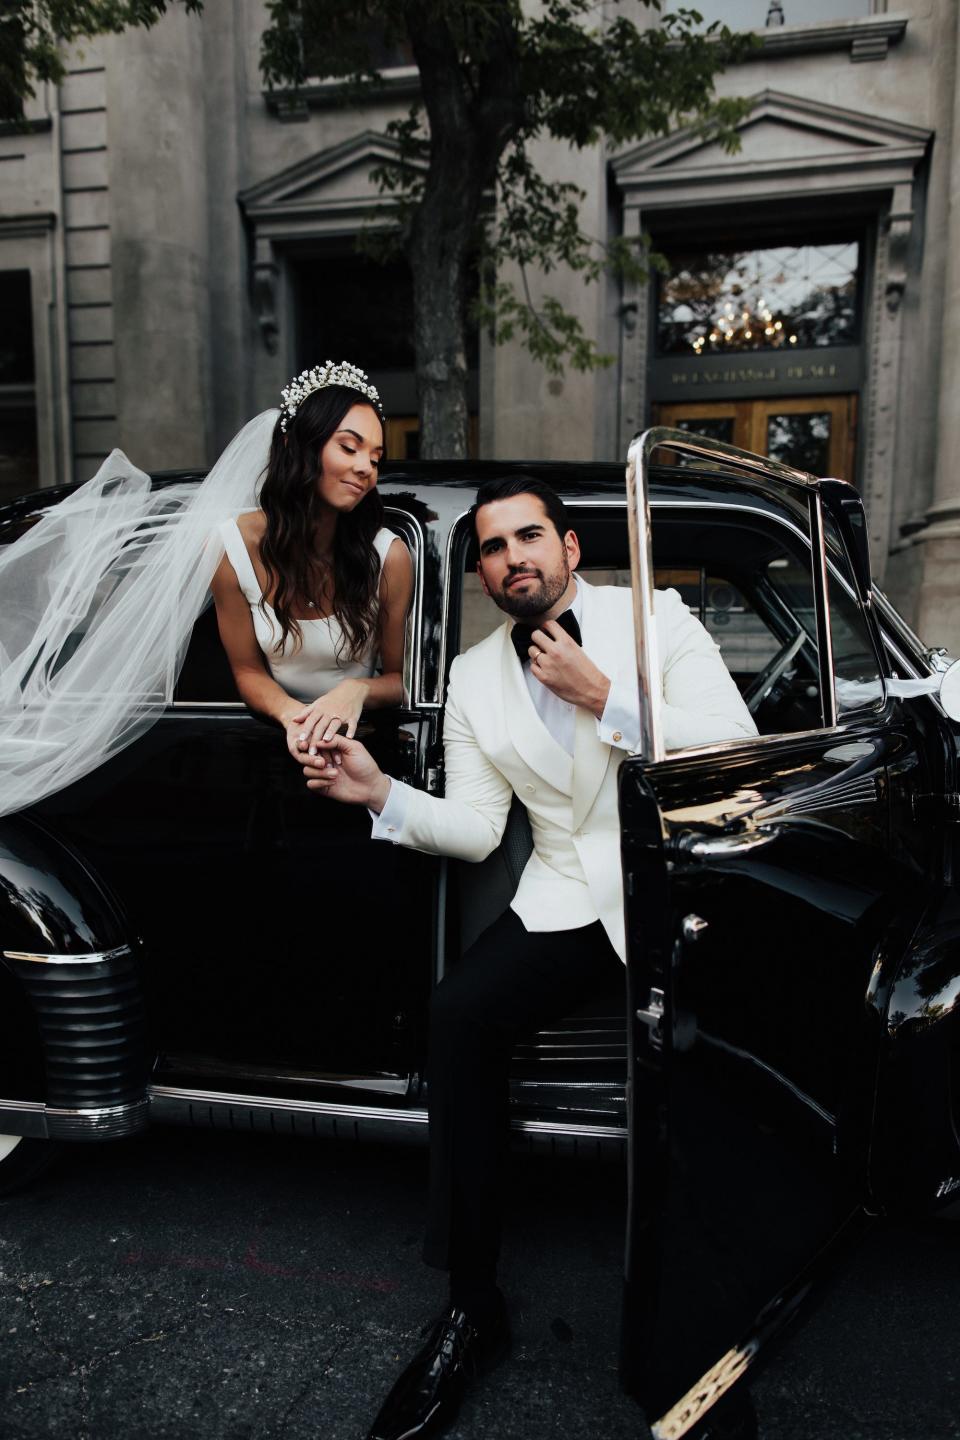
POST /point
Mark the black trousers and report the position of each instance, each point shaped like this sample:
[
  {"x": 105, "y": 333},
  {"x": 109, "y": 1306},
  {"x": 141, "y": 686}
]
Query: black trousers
[{"x": 510, "y": 981}]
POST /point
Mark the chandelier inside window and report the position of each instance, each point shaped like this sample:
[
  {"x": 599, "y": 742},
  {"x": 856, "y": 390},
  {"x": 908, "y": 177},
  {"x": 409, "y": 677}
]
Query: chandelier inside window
[
  {"x": 739, "y": 330},
  {"x": 775, "y": 298}
]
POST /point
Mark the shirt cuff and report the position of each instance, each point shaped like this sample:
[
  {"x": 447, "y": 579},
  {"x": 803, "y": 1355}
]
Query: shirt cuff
[
  {"x": 619, "y": 725},
  {"x": 388, "y": 824}
]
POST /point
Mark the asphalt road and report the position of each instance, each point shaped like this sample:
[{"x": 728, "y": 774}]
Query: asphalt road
[{"x": 226, "y": 1286}]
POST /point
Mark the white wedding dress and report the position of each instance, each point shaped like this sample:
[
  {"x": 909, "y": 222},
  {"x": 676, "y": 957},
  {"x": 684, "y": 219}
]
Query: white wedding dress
[{"x": 308, "y": 670}]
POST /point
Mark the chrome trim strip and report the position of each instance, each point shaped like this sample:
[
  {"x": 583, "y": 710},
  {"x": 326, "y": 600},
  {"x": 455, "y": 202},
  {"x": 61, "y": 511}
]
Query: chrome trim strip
[
  {"x": 297, "y": 1107},
  {"x": 206, "y": 705},
  {"x": 453, "y": 537},
  {"x": 570, "y": 1131},
  {"x": 418, "y": 1116},
  {"x": 413, "y": 628},
  {"x": 896, "y": 621},
  {"x": 61, "y": 1122},
  {"x": 748, "y": 743},
  {"x": 93, "y": 957},
  {"x": 821, "y": 606},
  {"x": 28, "y": 1116},
  {"x": 863, "y": 790},
  {"x": 96, "y": 1112},
  {"x": 903, "y": 661},
  {"x": 650, "y": 740},
  {"x": 781, "y": 1079},
  {"x": 681, "y": 442},
  {"x": 691, "y": 846}
]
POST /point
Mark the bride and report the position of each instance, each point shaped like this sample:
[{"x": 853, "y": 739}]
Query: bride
[
  {"x": 312, "y": 589},
  {"x": 98, "y": 598}
]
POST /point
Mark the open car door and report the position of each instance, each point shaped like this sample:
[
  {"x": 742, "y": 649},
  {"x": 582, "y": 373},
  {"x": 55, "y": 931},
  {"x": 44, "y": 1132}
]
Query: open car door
[{"x": 759, "y": 887}]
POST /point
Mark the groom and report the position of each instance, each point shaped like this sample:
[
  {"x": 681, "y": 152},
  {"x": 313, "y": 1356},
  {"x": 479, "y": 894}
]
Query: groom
[{"x": 545, "y": 709}]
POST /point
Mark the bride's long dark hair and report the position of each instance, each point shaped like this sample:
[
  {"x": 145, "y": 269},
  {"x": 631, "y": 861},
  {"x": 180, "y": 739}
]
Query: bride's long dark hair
[{"x": 292, "y": 506}]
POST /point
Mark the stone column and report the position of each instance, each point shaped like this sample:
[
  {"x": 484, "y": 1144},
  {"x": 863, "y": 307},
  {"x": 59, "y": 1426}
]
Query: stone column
[
  {"x": 159, "y": 241},
  {"x": 938, "y": 611},
  {"x": 633, "y": 344}
]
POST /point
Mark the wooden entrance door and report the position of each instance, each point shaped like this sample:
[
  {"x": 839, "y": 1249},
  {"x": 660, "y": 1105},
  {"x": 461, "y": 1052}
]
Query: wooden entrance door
[{"x": 815, "y": 433}]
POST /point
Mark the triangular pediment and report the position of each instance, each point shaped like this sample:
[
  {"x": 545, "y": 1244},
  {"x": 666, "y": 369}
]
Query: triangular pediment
[
  {"x": 780, "y": 130},
  {"x": 337, "y": 177}
]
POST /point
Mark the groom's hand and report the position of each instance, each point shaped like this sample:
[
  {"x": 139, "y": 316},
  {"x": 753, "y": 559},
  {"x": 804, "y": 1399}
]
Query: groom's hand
[
  {"x": 561, "y": 664},
  {"x": 345, "y": 770}
]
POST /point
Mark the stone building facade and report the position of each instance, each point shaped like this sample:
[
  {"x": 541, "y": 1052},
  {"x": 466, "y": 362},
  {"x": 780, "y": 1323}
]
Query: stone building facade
[{"x": 175, "y": 242}]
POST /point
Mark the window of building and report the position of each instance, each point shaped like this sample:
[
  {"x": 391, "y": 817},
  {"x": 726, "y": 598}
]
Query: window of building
[
  {"x": 375, "y": 48},
  {"x": 767, "y": 298},
  {"x": 19, "y": 470},
  {"x": 350, "y": 306}
]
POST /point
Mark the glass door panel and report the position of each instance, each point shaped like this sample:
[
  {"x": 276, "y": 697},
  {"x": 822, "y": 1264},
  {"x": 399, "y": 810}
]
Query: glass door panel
[
  {"x": 814, "y": 433},
  {"x": 801, "y": 440}
]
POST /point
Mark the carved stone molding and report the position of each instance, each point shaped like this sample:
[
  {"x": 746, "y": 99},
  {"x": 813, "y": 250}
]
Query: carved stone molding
[
  {"x": 832, "y": 154},
  {"x": 868, "y": 38},
  {"x": 266, "y": 274},
  {"x": 329, "y": 194},
  {"x": 400, "y": 83},
  {"x": 898, "y": 224},
  {"x": 24, "y": 227},
  {"x": 831, "y": 150}
]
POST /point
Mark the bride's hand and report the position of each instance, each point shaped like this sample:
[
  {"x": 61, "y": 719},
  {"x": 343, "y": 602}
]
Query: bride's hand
[{"x": 340, "y": 708}]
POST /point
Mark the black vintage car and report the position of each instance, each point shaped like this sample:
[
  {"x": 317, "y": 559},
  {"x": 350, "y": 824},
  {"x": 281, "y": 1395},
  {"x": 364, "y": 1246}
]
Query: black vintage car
[{"x": 189, "y": 936}]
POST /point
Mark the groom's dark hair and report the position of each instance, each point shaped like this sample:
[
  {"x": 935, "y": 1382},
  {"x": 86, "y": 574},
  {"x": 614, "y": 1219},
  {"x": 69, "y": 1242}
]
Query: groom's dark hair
[{"x": 506, "y": 488}]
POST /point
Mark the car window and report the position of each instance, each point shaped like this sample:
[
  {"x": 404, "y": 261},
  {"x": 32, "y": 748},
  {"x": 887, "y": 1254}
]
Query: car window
[
  {"x": 858, "y": 680},
  {"x": 745, "y": 641},
  {"x": 748, "y": 581}
]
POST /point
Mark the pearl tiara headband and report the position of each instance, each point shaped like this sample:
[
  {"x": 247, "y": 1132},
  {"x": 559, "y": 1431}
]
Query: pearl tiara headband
[{"x": 319, "y": 378}]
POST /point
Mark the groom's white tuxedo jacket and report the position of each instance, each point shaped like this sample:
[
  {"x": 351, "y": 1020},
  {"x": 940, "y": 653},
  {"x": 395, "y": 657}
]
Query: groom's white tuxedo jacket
[{"x": 496, "y": 746}]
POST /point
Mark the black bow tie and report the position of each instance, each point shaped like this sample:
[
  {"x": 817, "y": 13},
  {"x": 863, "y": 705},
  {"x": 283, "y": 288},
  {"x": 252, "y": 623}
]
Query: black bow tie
[{"x": 522, "y": 635}]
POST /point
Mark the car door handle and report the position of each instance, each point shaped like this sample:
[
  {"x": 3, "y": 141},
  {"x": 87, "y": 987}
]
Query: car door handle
[{"x": 693, "y": 846}]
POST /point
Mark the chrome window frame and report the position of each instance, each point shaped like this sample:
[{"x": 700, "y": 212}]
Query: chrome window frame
[
  {"x": 639, "y": 506},
  {"x": 621, "y": 503}
]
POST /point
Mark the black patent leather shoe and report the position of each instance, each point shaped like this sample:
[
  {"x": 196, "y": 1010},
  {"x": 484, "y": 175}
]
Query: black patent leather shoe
[{"x": 427, "y": 1396}]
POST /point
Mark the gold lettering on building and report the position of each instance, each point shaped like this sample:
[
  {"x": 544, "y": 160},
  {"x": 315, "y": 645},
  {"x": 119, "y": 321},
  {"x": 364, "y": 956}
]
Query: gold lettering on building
[{"x": 755, "y": 374}]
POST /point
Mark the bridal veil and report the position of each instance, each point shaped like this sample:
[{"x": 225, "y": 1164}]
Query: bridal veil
[{"x": 97, "y": 604}]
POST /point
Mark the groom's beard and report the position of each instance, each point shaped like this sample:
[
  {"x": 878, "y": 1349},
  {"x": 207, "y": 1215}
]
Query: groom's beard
[{"x": 534, "y": 599}]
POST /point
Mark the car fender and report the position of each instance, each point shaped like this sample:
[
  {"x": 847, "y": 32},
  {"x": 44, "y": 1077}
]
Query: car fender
[
  {"x": 67, "y": 948},
  {"x": 915, "y": 1162}
]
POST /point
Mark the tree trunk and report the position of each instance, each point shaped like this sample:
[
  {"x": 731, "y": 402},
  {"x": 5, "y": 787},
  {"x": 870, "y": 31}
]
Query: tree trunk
[
  {"x": 438, "y": 251},
  {"x": 471, "y": 120}
]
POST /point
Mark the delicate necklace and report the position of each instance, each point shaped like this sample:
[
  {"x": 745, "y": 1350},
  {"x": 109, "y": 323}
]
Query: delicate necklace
[{"x": 314, "y": 605}]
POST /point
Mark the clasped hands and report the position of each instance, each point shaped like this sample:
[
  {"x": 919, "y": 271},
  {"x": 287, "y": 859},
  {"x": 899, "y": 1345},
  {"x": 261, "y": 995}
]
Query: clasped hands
[
  {"x": 345, "y": 770},
  {"x": 308, "y": 726}
]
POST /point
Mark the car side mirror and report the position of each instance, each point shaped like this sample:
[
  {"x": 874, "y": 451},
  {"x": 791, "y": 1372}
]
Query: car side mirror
[{"x": 945, "y": 684}]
